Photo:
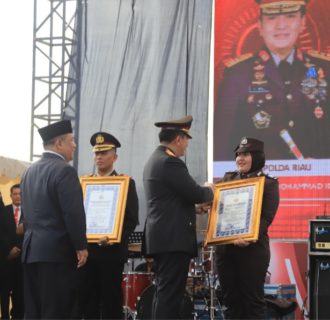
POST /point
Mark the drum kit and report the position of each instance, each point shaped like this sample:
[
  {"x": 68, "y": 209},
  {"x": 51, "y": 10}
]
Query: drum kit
[{"x": 201, "y": 299}]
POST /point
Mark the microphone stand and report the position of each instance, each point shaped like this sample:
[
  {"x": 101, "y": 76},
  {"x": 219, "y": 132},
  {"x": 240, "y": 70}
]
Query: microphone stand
[{"x": 211, "y": 284}]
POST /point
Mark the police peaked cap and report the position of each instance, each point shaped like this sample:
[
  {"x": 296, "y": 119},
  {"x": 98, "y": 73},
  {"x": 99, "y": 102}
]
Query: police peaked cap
[
  {"x": 249, "y": 145},
  {"x": 55, "y": 129},
  {"x": 103, "y": 141},
  {"x": 270, "y": 7},
  {"x": 182, "y": 125}
]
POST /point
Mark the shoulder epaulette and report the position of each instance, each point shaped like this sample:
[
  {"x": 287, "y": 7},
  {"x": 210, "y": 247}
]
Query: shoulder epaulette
[
  {"x": 319, "y": 55},
  {"x": 233, "y": 61},
  {"x": 123, "y": 175},
  {"x": 270, "y": 177},
  {"x": 231, "y": 173},
  {"x": 169, "y": 153}
]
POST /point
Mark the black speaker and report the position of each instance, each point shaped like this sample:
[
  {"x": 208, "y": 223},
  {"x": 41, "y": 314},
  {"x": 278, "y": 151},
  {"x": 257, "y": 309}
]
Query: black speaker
[
  {"x": 320, "y": 235},
  {"x": 320, "y": 306}
]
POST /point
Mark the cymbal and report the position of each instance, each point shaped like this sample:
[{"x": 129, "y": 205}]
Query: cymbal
[{"x": 135, "y": 247}]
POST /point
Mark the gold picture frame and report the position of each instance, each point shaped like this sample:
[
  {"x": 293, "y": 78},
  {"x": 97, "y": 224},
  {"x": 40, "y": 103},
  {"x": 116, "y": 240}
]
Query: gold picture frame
[
  {"x": 105, "y": 203},
  {"x": 235, "y": 211}
]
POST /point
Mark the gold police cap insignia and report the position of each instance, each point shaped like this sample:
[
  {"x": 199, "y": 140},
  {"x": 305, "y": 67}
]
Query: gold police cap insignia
[
  {"x": 103, "y": 141},
  {"x": 249, "y": 145},
  {"x": 99, "y": 139}
]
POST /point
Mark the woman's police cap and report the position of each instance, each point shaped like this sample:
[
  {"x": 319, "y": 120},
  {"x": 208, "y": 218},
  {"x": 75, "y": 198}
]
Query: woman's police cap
[
  {"x": 103, "y": 141},
  {"x": 270, "y": 7},
  {"x": 249, "y": 145},
  {"x": 182, "y": 125},
  {"x": 55, "y": 129}
]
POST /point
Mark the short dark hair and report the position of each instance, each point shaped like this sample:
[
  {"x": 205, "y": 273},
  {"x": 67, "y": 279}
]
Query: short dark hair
[
  {"x": 168, "y": 136},
  {"x": 15, "y": 186},
  {"x": 52, "y": 141},
  {"x": 49, "y": 142}
]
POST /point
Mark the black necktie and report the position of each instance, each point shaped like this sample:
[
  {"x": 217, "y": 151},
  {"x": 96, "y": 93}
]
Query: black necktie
[{"x": 285, "y": 71}]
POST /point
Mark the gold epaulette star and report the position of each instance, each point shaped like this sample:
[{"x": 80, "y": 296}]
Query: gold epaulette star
[
  {"x": 319, "y": 55},
  {"x": 233, "y": 61}
]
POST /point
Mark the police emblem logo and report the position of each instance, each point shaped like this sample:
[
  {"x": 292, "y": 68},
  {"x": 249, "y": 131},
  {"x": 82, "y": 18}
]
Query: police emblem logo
[
  {"x": 99, "y": 139},
  {"x": 261, "y": 120},
  {"x": 244, "y": 141}
]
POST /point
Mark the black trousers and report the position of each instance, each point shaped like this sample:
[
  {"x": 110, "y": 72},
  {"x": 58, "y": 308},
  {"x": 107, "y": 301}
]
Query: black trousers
[
  {"x": 49, "y": 290},
  {"x": 4, "y": 289},
  {"x": 101, "y": 296},
  {"x": 242, "y": 273},
  {"x": 171, "y": 270},
  {"x": 16, "y": 286}
]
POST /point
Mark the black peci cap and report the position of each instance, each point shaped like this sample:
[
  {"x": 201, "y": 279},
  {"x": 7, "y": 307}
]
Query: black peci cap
[
  {"x": 103, "y": 141},
  {"x": 55, "y": 129},
  {"x": 249, "y": 145},
  {"x": 182, "y": 125}
]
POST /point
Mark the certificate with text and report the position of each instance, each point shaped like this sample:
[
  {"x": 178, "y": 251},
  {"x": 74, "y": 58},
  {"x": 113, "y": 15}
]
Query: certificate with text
[
  {"x": 235, "y": 211},
  {"x": 105, "y": 203}
]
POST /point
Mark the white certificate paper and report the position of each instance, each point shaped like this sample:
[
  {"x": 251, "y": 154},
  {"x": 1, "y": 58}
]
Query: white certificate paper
[
  {"x": 234, "y": 212},
  {"x": 100, "y": 206}
]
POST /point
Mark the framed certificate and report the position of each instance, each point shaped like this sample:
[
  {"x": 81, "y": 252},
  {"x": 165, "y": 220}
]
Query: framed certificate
[
  {"x": 105, "y": 203},
  {"x": 235, "y": 211}
]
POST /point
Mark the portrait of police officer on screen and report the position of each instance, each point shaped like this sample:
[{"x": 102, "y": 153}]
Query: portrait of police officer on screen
[{"x": 279, "y": 94}]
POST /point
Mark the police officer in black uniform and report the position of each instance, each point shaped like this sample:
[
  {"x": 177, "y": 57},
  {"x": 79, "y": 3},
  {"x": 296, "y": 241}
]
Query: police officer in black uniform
[
  {"x": 242, "y": 266},
  {"x": 279, "y": 94},
  {"x": 102, "y": 297},
  {"x": 170, "y": 230}
]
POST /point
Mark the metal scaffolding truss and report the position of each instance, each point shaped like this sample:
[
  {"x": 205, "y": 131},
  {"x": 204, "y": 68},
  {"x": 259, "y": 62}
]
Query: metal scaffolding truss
[{"x": 55, "y": 64}]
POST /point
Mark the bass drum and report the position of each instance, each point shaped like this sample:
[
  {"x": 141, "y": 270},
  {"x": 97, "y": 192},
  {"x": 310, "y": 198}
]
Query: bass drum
[
  {"x": 133, "y": 284},
  {"x": 144, "y": 305}
]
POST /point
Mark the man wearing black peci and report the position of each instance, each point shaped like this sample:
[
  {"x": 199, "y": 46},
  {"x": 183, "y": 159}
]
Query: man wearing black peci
[{"x": 54, "y": 243}]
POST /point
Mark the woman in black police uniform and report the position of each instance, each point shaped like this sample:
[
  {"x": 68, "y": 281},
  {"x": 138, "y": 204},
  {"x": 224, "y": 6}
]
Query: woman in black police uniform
[{"x": 242, "y": 266}]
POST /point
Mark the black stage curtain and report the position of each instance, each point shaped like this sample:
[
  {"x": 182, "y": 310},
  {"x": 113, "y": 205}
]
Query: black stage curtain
[{"x": 143, "y": 61}]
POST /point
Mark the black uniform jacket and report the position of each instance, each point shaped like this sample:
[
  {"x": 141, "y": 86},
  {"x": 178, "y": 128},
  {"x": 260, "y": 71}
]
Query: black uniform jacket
[
  {"x": 254, "y": 101},
  {"x": 119, "y": 251},
  {"x": 3, "y": 243},
  {"x": 171, "y": 195},
  {"x": 270, "y": 202},
  {"x": 54, "y": 215}
]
